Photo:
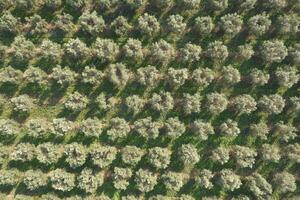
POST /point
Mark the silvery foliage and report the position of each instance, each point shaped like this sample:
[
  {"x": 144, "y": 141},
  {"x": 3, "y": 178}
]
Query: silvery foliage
[
  {"x": 76, "y": 102},
  {"x": 218, "y": 5},
  {"x": 134, "y": 103},
  {"x": 229, "y": 128},
  {"x": 63, "y": 76},
  {"x": 188, "y": 155},
  {"x": 284, "y": 182},
  {"x": 35, "y": 180},
  {"x": 89, "y": 181},
  {"x": 288, "y": 24},
  {"x": 274, "y": 4},
  {"x": 190, "y": 53},
  {"x": 270, "y": 153},
  {"x": 121, "y": 178},
  {"x": 76, "y": 50},
  {"x": 216, "y": 102},
  {"x": 118, "y": 128},
  {"x": 35, "y": 75},
  {"x": 273, "y": 51},
  {"x": 8, "y": 128},
  {"x": 162, "y": 102},
  {"x": 259, "y": 186},
  {"x": 104, "y": 102},
  {"x": 292, "y": 152},
  {"x": 106, "y": 50},
  {"x": 259, "y": 24},
  {"x": 177, "y": 77},
  {"x": 118, "y": 74},
  {"x": 22, "y": 103},
  {"x": 258, "y": 77},
  {"x": 286, "y": 76},
  {"x": 131, "y": 155},
  {"x": 91, "y": 23},
  {"x": 102, "y": 156},
  {"x": 162, "y": 51},
  {"x": 64, "y": 23},
  {"x": 175, "y": 24},
  {"x": 173, "y": 127},
  {"x": 145, "y": 180},
  {"x": 91, "y": 127},
  {"x": 91, "y": 75},
  {"x": 271, "y": 104},
  {"x": 244, "y": 156},
  {"x": 38, "y": 26},
  {"x": 147, "y": 128},
  {"x": 204, "y": 179},
  {"x": 204, "y": 25},
  {"x": 228, "y": 180},
  {"x": 294, "y": 53},
  {"x": 190, "y": 103},
  {"x": 173, "y": 180},
  {"x": 260, "y": 130},
  {"x": 22, "y": 51},
  {"x": 9, "y": 178},
  {"x": 75, "y": 155},
  {"x": 23, "y": 152},
  {"x": 243, "y": 104},
  {"x": 120, "y": 26},
  {"x": 220, "y": 155},
  {"x": 230, "y": 76},
  {"x": 244, "y": 52},
  {"x": 10, "y": 75},
  {"x": 148, "y": 24},
  {"x": 285, "y": 132},
  {"x": 37, "y": 127},
  {"x": 203, "y": 76},
  {"x": 217, "y": 51},
  {"x": 61, "y": 126},
  {"x": 133, "y": 49},
  {"x": 159, "y": 157},
  {"x": 61, "y": 180},
  {"x": 202, "y": 129},
  {"x": 48, "y": 153},
  {"x": 231, "y": 24},
  {"x": 8, "y": 24},
  {"x": 148, "y": 75}
]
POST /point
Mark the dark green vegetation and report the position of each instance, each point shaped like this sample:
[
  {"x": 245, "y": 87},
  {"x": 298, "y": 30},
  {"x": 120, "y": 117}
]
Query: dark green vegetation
[{"x": 149, "y": 99}]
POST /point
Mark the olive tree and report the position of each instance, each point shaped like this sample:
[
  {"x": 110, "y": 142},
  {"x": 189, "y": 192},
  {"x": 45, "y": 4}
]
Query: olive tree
[
  {"x": 271, "y": 104},
  {"x": 217, "y": 51},
  {"x": 220, "y": 155},
  {"x": 228, "y": 180},
  {"x": 105, "y": 50},
  {"x": 148, "y": 24},
  {"x": 147, "y": 76},
  {"x": 173, "y": 127},
  {"x": 10, "y": 75},
  {"x": 133, "y": 49},
  {"x": 231, "y": 24},
  {"x": 244, "y": 52},
  {"x": 246, "y": 5},
  {"x": 147, "y": 128},
  {"x": 162, "y": 102},
  {"x": 175, "y": 24},
  {"x": 259, "y": 24},
  {"x": 159, "y": 157},
  {"x": 288, "y": 24},
  {"x": 273, "y": 51},
  {"x": 102, "y": 156},
  {"x": 35, "y": 179},
  {"x": 294, "y": 53},
  {"x": 216, "y": 102},
  {"x": 202, "y": 129},
  {"x": 63, "y": 23},
  {"x": 188, "y": 155},
  {"x": 204, "y": 179},
  {"x": 259, "y": 186},
  {"x": 48, "y": 153},
  {"x": 118, "y": 128},
  {"x": 190, "y": 53},
  {"x": 23, "y": 152},
  {"x": 134, "y": 103},
  {"x": 118, "y": 74},
  {"x": 63, "y": 76},
  {"x": 161, "y": 51},
  {"x": 145, "y": 180},
  {"x": 203, "y": 76},
  {"x": 243, "y": 104},
  {"x": 9, "y": 178},
  {"x": 229, "y": 128},
  {"x": 91, "y": 23},
  {"x": 173, "y": 180},
  {"x": 190, "y": 103},
  {"x": 230, "y": 76},
  {"x": 76, "y": 50},
  {"x": 284, "y": 182},
  {"x": 76, "y": 102},
  {"x": 270, "y": 153},
  {"x": 89, "y": 181},
  {"x": 121, "y": 26},
  {"x": 286, "y": 76},
  {"x": 104, "y": 102},
  {"x": 218, "y": 5},
  {"x": 8, "y": 128},
  {"x": 260, "y": 130},
  {"x": 131, "y": 155},
  {"x": 244, "y": 156},
  {"x": 274, "y": 4},
  {"x": 38, "y": 26},
  {"x": 285, "y": 132},
  {"x": 35, "y": 75},
  {"x": 22, "y": 103},
  {"x": 61, "y": 126},
  {"x": 176, "y": 77},
  {"x": 91, "y": 127},
  {"x": 8, "y": 24},
  {"x": 258, "y": 77},
  {"x": 37, "y": 128},
  {"x": 294, "y": 104},
  {"x": 292, "y": 152},
  {"x": 61, "y": 180},
  {"x": 121, "y": 177},
  {"x": 91, "y": 75},
  {"x": 53, "y": 4},
  {"x": 203, "y": 25},
  {"x": 75, "y": 154},
  {"x": 23, "y": 51}
]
